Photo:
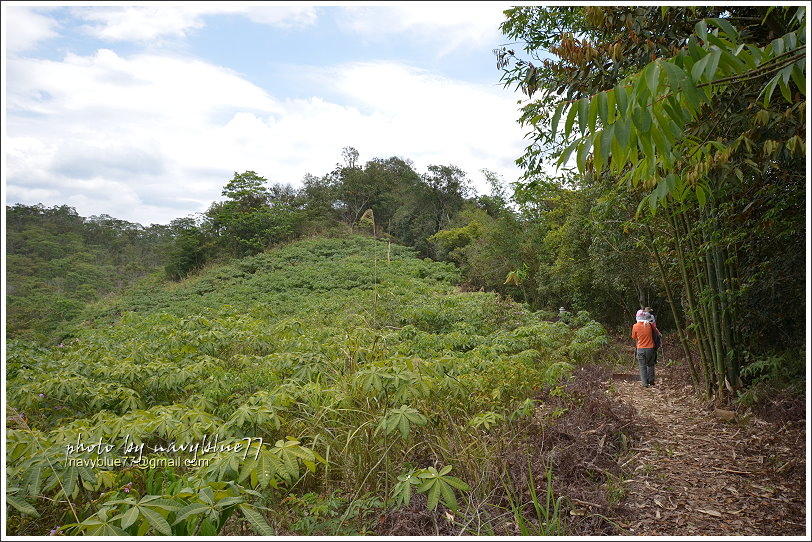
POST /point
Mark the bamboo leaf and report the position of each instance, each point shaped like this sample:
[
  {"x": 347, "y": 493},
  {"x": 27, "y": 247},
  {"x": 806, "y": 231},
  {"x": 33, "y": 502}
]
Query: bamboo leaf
[
  {"x": 557, "y": 116},
  {"x": 798, "y": 77},
  {"x": 593, "y": 114},
  {"x": 603, "y": 107},
  {"x": 713, "y": 64},
  {"x": 621, "y": 99},
  {"x": 768, "y": 91},
  {"x": 700, "y": 195},
  {"x": 777, "y": 46},
  {"x": 701, "y": 30},
  {"x": 676, "y": 77},
  {"x": 642, "y": 120},
  {"x": 725, "y": 27},
  {"x": 565, "y": 156},
  {"x": 699, "y": 68},
  {"x": 583, "y": 151},
  {"x": 610, "y": 106},
  {"x": 570, "y": 119},
  {"x": 606, "y": 141},
  {"x": 621, "y": 131},
  {"x": 652, "y": 75},
  {"x": 583, "y": 114},
  {"x": 597, "y": 152}
]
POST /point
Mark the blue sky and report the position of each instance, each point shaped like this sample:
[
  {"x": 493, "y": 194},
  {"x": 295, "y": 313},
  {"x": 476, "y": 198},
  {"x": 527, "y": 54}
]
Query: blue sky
[{"x": 143, "y": 111}]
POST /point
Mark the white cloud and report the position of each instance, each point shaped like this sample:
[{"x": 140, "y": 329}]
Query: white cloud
[
  {"x": 437, "y": 119},
  {"x": 145, "y": 123},
  {"x": 158, "y": 20},
  {"x": 448, "y": 26},
  {"x": 24, "y": 29},
  {"x": 149, "y": 138}
]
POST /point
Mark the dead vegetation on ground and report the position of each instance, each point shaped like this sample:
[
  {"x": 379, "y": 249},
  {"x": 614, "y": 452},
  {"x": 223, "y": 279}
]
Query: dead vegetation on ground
[{"x": 635, "y": 461}]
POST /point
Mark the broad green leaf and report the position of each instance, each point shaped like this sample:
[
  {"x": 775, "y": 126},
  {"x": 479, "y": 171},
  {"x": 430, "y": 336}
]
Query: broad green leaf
[
  {"x": 694, "y": 50},
  {"x": 157, "y": 521},
  {"x": 433, "y": 495},
  {"x": 129, "y": 517},
  {"x": 652, "y": 75},
  {"x": 449, "y": 498},
  {"x": 69, "y": 479},
  {"x": 457, "y": 483},
  {"x": 33, "y": 480},
  {"x": 207, "y": 528},
  {"x": 190, "y": 510},
  {"x": 256, "y": 520},
  {"x": 21, "y": 505}
]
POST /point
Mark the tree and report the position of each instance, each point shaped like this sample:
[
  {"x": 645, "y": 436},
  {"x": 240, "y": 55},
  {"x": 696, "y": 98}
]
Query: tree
[
  {"x": 253, "y": 217},
  {"x": 448, "y": 188},
  {"x": 678, "y": 114}
]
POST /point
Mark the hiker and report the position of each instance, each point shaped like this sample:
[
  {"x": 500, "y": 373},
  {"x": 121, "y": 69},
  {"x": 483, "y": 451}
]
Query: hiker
[{"x": 645, "y": 349}]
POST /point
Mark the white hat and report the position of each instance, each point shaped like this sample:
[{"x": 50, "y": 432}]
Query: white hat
[{"x": 643, "y": 316}]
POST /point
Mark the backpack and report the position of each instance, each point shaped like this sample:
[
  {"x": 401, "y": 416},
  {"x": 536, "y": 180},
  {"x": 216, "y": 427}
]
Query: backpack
[{"x": 657, "y": 338}]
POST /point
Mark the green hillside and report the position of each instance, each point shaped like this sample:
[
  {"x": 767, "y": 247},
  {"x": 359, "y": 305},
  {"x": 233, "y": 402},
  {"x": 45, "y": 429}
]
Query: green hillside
[{"x": 337, "y": 378}]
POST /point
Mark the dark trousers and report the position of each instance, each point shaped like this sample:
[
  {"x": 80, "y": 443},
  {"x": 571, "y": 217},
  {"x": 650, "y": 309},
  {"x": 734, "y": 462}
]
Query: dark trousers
[{"x": 646, "y": 359}]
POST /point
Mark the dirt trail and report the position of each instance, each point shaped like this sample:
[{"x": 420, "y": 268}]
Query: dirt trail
[{"x": 694, "y": 473}]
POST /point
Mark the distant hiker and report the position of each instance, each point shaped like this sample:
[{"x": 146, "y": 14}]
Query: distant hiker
[
  {"x": 645, "y": 350},
  {"x": 564, "y": 315}
]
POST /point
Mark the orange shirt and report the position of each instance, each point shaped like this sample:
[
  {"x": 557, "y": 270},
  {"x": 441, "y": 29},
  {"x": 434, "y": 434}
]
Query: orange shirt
[{"x": 643, "y": 333}]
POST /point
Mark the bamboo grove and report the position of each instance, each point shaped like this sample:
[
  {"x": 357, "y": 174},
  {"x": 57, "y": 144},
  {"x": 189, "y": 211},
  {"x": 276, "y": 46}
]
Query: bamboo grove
[{"x": 677, "y": 109}]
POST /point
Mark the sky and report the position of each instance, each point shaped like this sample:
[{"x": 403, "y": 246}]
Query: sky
[{"x": 144, "y": 111}]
